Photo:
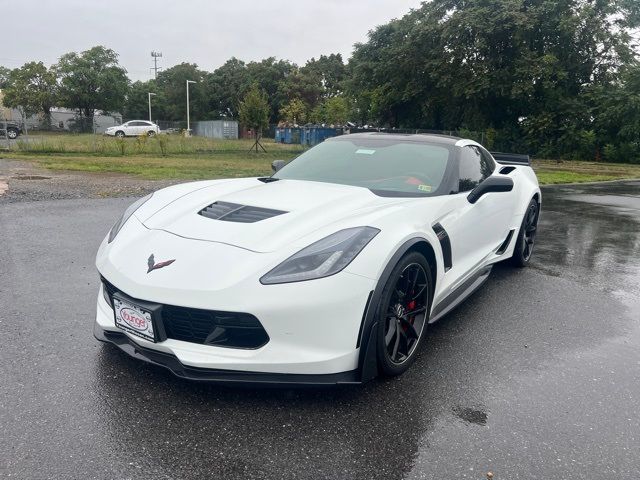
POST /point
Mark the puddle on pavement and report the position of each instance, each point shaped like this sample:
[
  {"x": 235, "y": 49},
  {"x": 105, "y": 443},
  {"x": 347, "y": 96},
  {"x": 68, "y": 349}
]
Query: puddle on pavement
[{"x": 470, "y": 415}]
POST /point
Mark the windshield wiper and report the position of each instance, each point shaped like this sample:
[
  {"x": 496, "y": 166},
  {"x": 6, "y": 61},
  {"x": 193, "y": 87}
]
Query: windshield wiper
[{"x": 268, "y": 179}]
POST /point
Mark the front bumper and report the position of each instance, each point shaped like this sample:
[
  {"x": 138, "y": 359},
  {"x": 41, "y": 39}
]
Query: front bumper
[
  {"x": 313, "y": 327},
  {"x": 213, "y": 375}
]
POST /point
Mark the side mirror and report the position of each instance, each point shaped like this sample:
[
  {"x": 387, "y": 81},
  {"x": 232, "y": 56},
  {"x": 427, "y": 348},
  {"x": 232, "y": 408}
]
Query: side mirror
[
  {"x": 489, "y": 185},
  {"x": 277, "y": 165}
]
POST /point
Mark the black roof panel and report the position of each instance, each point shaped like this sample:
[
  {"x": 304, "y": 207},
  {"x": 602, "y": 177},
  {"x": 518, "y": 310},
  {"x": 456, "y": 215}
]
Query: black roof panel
[{"x": 405, "y": 137}]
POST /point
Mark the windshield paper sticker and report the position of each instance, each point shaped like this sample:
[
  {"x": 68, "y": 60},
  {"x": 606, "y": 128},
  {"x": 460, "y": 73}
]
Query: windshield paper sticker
[
  {"x": 364, "y": 151},
  {"x": 424, "y": 188}
]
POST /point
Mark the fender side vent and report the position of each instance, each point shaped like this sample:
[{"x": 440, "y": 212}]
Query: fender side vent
[
  {"x": 445, "y": 244},
  {"x": 233, "y": 212},
  {"x": 506, "y": 170},
  {"x": 503, "y": 247}
]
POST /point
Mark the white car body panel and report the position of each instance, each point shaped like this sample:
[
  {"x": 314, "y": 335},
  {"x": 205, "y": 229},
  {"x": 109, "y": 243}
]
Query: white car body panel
[{"x": 314, "y": 326}]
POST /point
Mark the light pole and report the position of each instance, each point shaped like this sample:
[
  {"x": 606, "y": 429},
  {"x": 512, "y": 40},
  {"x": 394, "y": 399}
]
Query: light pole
[
  {"x": 150, "y": 95},
  {"x": 188, "y": 124}
]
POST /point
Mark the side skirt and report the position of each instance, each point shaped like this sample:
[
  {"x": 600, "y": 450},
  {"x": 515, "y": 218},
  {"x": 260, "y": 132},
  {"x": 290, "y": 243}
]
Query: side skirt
[{"x": 459, "y": 294}]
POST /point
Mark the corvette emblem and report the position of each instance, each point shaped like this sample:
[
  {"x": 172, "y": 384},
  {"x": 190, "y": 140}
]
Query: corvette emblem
[{"x": 155, "y": 266}]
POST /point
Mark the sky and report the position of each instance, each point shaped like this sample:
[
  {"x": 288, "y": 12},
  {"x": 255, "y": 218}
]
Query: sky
[{"x": 197, "y": 31}]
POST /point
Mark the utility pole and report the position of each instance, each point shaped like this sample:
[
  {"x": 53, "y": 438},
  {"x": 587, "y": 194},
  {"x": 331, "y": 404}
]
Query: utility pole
[
  {"x": 188, "y": 124},
  {"x": 151, "y": 94},
  {"x": 155, "y": 55}
]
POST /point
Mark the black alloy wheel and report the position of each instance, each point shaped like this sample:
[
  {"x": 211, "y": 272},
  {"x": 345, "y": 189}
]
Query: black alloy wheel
[
  {"x": 527, "y": 235},
  {"x": 403, "y": 314}
]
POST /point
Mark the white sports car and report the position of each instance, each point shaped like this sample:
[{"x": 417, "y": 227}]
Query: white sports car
[{"x": 327, "y": 272}]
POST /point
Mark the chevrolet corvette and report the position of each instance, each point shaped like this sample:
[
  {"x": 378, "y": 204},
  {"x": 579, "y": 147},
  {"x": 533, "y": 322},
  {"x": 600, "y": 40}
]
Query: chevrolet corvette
[{"x": 329, "y": 271}]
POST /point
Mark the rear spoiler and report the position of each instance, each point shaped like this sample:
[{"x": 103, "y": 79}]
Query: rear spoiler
[{"x": 512, "y": 158}]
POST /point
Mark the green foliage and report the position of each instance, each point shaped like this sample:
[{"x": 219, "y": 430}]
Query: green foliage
[
  {"x": 141, "y": 143},
  {"x": 269, "y": 74},
  {"x": 137, "y": 103},
  {"x": 4, "y": 77},
  {"x": 254, "y": 109},
  {"x": 33, "y": 88},
  {"x": 226, "y": 87},
  {"x": 172, "y": 91},
  {"x": 92, "y": 80},
  {"x": 527, "y": 70},
  {"x": 295, "y": 112},
  {"x": 121, "y": 145},
  {"x": 333, "y": 111},
  {"x": 163, "y": 143}
]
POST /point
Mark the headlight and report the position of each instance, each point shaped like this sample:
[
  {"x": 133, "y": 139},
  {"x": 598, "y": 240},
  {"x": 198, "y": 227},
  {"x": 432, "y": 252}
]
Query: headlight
[
  {"x": 323, "y": 258},
  {"x": 125, "y": 216}
]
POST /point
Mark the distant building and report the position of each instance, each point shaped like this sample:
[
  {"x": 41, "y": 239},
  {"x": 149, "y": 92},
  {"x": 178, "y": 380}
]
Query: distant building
[
  {"x": 216, "y": 129},
  {"x": 62, "y": 119}
]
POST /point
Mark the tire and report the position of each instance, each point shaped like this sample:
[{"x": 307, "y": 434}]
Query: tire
[
  {"x": 399, "y": 332},
  {"x": 526, "y": 236},
  {"x": 12, "y": 133},
  {"x": 151, "y": 133},
  {"x": 120, "y": 134}
]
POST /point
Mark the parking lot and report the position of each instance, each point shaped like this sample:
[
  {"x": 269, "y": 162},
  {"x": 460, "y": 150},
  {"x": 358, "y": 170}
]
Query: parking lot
[{"x": 537, "y": 375}]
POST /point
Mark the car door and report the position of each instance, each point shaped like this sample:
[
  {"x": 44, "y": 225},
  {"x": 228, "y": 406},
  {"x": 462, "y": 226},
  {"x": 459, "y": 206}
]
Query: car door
[
  {"x": 476, "y": 230},
  {"x": 138, "y": 127},
  {"x": 127, "y": 128},
  {"x": 145, "y": 127}
]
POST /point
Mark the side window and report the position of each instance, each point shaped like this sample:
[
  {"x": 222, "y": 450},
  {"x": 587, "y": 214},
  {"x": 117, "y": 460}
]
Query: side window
[
  {"x": 475, "y": 166},
  {"x": 488, "y": 163}
]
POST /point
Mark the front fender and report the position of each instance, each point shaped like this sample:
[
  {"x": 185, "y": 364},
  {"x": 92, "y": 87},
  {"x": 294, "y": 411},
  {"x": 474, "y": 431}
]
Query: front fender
[{"x": 368, "y": 360}]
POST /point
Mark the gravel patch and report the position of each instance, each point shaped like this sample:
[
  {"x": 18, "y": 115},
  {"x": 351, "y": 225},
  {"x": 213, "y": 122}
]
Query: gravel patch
[{"x": 26, "y": 182}]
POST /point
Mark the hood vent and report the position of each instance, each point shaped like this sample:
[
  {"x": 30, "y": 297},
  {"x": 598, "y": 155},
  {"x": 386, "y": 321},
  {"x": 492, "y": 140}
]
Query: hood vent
[{"x": 233, "y": 212}]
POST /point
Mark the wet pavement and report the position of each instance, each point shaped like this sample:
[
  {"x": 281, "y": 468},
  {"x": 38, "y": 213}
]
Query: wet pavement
[{"x": 537, "y": 375}]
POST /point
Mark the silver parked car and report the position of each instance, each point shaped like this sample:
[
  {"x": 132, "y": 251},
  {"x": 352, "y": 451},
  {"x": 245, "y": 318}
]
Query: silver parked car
[{"x": 133, "y": 128}]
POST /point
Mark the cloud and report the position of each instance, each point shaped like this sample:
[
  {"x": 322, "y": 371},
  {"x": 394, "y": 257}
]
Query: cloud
[{"x": 197, "y": 31}]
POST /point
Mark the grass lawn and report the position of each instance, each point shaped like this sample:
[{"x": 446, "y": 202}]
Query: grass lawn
[
  {"x": 195, "y": 158},
  {"x": 192, "y": 158},
  {"x": 553, "y": 172}
]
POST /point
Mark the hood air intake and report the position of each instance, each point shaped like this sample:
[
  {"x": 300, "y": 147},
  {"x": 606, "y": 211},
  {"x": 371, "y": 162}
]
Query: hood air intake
[{"x": 233, "y": 212}]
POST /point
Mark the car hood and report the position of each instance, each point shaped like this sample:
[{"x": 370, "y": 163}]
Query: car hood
[{"x": 309, "y": 206}]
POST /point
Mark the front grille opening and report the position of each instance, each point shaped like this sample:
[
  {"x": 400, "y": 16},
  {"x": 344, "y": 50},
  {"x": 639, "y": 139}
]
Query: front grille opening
[
  {"x": 207, "y": 327},
  {"x": 234, "y": 212}
]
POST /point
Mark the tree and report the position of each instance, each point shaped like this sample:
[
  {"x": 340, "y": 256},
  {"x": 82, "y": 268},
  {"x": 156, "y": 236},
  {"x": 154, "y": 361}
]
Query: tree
[
  {"x": 137, "y": 103},
  {"x": 254, "y": 112},
  {"x": 92, "y": 80},
  {"x": 172, "y": 85},
  {"x": 336, "y": 111},
  {"x": 330, "y": 71},
  {"x": 269, "y": 74},
  {"x": 4, "y": 77},
  {"x": 33, "y": 89},
  {"x": 524, "y": 69},
  {"x": 295, "y": 112},
  {"x": 226, "y": 87}
]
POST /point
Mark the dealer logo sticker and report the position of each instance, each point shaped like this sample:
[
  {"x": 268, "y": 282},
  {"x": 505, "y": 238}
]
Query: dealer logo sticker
[
  {"x": 155, "y": 266},
  {"x": 133, "y": 319}
]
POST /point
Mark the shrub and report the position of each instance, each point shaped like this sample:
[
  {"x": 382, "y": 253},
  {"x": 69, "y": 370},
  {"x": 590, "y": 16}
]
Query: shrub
[
  {"x": 121, "y": 145},
  {"x": 141, "y": 143},
  {"x": 163, "y": 143}
]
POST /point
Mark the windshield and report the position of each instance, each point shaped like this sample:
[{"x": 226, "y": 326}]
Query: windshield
[{"x": 386, "y": 167}]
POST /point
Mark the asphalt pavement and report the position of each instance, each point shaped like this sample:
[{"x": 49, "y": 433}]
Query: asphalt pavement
[{"x": 536, "y": 376}]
